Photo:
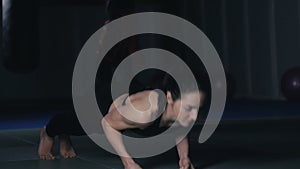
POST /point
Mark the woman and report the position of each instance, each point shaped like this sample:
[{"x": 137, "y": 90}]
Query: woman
[
  {"x": 132, "y": 112},
  {"x": 129, "y": 112},
  {"x": 115, "y": 121}
]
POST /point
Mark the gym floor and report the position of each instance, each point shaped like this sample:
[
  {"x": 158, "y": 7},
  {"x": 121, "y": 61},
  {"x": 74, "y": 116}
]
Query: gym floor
[{"x": 250, "y": 135}]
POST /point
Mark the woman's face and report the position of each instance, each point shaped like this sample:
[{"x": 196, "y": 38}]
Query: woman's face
[{"x": 186, "y": 108}]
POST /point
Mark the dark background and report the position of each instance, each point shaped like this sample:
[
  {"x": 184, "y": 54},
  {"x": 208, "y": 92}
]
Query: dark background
[{"x": 257, "y": 40}]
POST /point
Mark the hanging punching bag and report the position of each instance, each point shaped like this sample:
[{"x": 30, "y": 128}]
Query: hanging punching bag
[{"x": 20, "y": 35}]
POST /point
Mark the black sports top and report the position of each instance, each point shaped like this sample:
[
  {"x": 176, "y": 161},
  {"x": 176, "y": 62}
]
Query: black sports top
[{"x": 154, "y": 128}]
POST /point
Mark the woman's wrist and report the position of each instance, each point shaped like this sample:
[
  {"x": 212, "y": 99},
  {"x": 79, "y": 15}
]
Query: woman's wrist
[
  {"x": 184, "y": 155},
  {"x": 127, "y": 161}
]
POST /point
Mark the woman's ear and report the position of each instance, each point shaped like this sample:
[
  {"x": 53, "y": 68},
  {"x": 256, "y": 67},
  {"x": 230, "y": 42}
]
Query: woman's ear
[{"x": 169, "y": 97}]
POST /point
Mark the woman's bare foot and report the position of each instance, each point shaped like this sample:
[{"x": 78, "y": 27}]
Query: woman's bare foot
[
  {"x": 66, "y": 147},
  {"x": 45, "y": 147}
]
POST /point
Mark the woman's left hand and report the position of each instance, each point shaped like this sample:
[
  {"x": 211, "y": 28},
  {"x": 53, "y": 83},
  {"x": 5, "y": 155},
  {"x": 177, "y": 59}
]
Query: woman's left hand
[{"x": 185, "y": 163}]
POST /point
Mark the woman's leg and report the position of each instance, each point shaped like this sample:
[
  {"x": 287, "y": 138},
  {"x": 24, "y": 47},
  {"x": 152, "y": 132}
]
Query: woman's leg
[
  {"x": 45, "y": 146},
  {"x": 62, "y": 125}
]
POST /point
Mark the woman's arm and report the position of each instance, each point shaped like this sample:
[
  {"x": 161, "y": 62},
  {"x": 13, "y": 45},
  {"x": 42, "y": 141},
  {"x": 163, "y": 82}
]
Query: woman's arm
[
  {"x": 135, "y": 115},
  {"x": 183, "y": 152},
  {"x": 115, "y": 138},
  {"x": 115, "y": 121},
  {"x": 117, "y": 102}
]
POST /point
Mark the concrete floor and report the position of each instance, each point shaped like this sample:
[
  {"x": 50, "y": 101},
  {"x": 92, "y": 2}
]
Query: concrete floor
[{"x": 233, "y": 146}]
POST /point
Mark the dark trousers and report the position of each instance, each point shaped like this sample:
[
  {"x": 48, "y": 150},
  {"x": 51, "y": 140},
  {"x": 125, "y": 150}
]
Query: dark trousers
[{"x": 64, "y": 123}]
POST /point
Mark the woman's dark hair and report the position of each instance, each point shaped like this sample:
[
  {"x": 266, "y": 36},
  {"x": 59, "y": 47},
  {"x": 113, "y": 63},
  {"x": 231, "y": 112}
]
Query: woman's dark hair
[
  {"x": 151, "y": 79},
  {"x": 187, "y": 86}
]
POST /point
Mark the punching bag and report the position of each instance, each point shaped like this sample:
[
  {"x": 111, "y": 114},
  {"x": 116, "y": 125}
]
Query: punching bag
[{"x": 20, "y": 35}]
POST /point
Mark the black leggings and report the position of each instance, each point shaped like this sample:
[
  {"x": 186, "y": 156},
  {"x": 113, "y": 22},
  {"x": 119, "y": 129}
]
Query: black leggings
[
  {"x": 64, "y": 123},
  {"x": 68, "y": 123}
]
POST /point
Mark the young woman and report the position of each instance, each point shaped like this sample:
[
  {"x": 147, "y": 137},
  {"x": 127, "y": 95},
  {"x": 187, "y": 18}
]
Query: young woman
[
  {"x": 143, "y": 111},
  {"x": 131, "y": 112}
]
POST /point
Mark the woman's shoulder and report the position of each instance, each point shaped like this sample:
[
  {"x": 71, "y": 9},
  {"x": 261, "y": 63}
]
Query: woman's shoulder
[
  {"x": 153, "y": 94},
  {"x": 140, "y": 109},
  {"x": 147, "y": 100}
]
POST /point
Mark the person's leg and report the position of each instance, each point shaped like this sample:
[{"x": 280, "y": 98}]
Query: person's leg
[
  {"x": 62, "y": 125},
  {"x": 66, "y": 124},
  {"x": 45, "y": 146},
  {"x": 65, "y": 146}
]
